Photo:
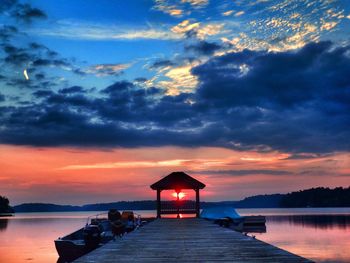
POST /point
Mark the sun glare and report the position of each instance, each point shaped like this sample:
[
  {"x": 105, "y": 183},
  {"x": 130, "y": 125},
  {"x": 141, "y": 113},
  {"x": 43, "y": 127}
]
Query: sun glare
[{"x": 181, "y": 195}]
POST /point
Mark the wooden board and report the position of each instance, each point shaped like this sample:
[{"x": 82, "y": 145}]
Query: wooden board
[{"x": 188, "y": 240}]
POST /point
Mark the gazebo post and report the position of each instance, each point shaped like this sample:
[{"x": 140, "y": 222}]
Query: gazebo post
[
  {"x": 178, "y": 204},
  {"x": 158, "y": 203},
  {"x": 197, "y": 202}
]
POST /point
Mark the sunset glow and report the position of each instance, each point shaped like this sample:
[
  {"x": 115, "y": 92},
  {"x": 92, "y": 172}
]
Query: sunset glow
[
  {"x": 99, "y": 101},
  {"x": 181, "y": 195}
]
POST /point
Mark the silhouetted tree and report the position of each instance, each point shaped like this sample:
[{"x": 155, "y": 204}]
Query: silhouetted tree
[
  {"x": 5, "y": 205},
  {"x": 318, "y": 197}
]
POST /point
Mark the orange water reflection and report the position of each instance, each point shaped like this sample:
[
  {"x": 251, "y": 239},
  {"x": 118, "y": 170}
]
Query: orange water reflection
[
  {"x": 320, "y": 238},
  {"x": 31, "y": 239},
  {"x": 323, "y": 238}
]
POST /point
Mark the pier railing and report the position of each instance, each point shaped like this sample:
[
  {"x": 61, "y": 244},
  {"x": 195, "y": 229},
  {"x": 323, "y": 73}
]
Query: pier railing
[{"x": 182, "y": 207}]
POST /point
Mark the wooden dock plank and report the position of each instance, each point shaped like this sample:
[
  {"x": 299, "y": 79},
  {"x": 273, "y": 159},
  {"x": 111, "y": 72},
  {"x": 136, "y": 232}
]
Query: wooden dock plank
[{"x": 188, "y": 240}]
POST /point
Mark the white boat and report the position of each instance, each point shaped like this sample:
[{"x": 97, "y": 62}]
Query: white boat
[
  {"x": 215, "y": 213},
  {"x": 228, "y": 217}
]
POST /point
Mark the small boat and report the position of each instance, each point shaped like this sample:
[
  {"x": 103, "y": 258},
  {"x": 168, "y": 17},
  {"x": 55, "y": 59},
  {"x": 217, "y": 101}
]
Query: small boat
[
  {"x": 98, "y": 231},
  {"x": 215, "y": 213},
  {"x": 228, "y": 217}
]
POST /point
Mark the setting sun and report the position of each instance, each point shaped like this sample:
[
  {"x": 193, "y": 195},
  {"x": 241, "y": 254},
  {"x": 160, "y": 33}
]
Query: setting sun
[{"x": 181, "y": 195}]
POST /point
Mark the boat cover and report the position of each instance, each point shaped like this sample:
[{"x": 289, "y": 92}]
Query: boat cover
[{"x": 220, "y": 212}]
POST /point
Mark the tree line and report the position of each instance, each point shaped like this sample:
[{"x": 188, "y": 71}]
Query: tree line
[
  {"x": 5, "y": 205},
  {"x": 318, "y": 197}
]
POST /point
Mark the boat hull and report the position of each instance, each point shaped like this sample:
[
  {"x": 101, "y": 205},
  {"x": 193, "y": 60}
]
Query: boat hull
[
  {"x": 69, "y": 250},
  {"x": 73, "y": 246}
]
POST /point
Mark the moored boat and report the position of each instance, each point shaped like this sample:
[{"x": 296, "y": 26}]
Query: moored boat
[
  {"x": 99, "y": 230},
  {"x": 228, "y": 217}
]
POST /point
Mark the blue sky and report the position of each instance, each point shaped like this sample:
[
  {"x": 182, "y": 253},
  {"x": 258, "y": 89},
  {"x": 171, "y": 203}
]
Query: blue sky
[{"x": 127, "y": 37}]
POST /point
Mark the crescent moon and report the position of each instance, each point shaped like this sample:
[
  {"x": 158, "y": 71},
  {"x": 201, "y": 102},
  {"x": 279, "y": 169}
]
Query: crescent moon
[{"x": 26, "y": 74}]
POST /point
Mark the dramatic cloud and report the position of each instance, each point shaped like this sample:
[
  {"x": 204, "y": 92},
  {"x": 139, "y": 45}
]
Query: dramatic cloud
[
  {"x": 289, "y": 101},
  {"x": 296, "y": 101}
]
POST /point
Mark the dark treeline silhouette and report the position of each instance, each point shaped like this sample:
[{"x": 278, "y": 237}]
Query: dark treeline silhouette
[
  {"x": 315, "y": 197},
  {"x": 318, "y": 197},
  {"x": 122, "y": 205},
  {"x": 5, "y": 205}
]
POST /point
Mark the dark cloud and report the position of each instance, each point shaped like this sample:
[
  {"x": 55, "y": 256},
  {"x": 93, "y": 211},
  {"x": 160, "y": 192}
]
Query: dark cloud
[
  {"x": 295, "y": 96},
  {"x": 23, "y": 12},
  {"x": 162, "y": 64},
  {"x": 43, "y": 93},
  {"x": 2, "y": 97},
  {"x": 7, "y": 31},
  {"x": 36, "y": 58},
  {"x": 78, "y": 71},
  {"x": 40, "y": 56},
  {"x": 40, "y": 76},
  {"x": 293, "y": 101},
  {"x": 73, "y": 89},
  {"x": 26, "y": 13},
  {"x": 50, "y": 62},
  {"x": 15, "y": 55},
  {"x": 203, "y": 48}
]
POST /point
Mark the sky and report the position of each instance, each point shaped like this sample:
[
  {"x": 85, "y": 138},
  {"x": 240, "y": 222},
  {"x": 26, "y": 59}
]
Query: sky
[{"x": 100, "y": 99}]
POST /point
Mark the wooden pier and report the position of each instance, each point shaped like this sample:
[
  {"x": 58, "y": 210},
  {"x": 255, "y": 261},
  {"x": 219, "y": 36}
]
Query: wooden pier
[{"x": 187, "y": 240}]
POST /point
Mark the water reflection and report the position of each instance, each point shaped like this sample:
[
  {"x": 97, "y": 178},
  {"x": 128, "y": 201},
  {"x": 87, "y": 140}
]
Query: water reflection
[
  {"x": 320, "y": 237},
  {"x": 34, "y": 237},
  {"x": 3, "y": 224},
  {"x": 316, "y": 221}
]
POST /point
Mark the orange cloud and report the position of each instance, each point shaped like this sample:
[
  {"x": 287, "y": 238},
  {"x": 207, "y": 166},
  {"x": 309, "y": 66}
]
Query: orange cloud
[{"x": 77, "y": 176}]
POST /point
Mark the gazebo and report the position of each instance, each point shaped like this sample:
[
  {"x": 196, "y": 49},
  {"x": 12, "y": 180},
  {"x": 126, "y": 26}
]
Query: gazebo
[{"x": 177, "y": 181}]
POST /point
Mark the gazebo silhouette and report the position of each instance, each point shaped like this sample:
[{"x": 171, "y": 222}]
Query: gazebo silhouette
[{"x": 177, "y": 181}]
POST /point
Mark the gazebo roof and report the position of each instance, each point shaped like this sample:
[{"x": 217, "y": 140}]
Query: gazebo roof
[{"x": 177, "y": 180}]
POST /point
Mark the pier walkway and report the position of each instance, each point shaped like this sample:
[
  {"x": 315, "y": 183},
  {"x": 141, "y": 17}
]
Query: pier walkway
[{"x": 187, "y": 240}]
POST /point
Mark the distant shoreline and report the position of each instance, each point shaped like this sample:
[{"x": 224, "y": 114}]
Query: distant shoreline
[{"x": 311, "y": 198}]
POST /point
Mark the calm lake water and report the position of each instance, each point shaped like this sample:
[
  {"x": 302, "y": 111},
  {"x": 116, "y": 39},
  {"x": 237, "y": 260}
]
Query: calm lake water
[{"x": 322, "y": 235}]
